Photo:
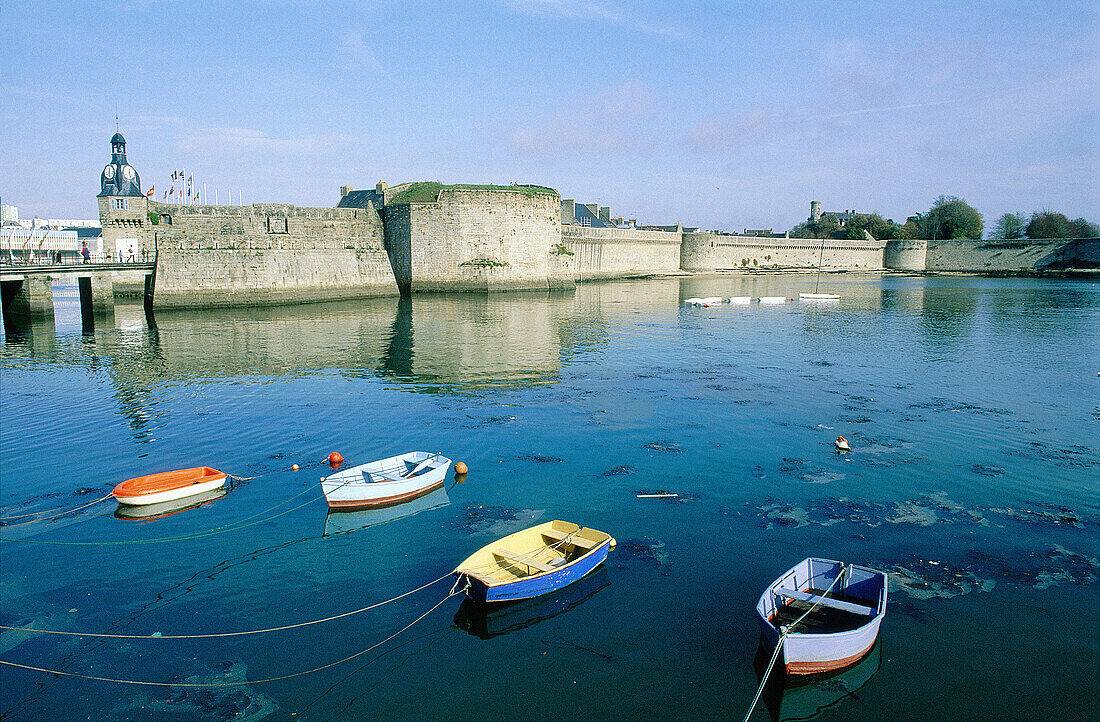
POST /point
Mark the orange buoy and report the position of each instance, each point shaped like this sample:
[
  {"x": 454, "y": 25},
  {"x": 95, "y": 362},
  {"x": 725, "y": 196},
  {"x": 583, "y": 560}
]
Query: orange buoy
[
  {"x": 460, "y": 468},
  {"x": 295, "y": 467},
  {"x": 335, "y": 459}
]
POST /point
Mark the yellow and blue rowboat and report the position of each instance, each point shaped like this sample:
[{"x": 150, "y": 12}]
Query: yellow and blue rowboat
[{"x": 532, "y": 562}]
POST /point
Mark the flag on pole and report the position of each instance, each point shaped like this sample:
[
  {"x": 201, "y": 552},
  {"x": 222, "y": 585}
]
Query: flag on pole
[
  {"x": 173, "y": 175},
  {"x": 152, "y": 191}
]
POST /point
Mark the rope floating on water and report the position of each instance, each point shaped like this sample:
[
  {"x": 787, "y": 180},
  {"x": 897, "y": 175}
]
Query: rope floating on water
[
  {"x": 226, "y": 634},
  {"x": 46, "y": 511},
  {"x": 779, "y": 645},
  {"x": 234, "y": 684}
]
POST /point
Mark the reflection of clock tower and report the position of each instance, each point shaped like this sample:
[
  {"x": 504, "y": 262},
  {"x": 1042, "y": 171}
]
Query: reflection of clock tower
[{"x": 123, "y": 208}]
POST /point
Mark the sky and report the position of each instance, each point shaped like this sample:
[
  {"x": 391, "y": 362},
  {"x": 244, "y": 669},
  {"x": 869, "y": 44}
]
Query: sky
[{"x": 722, "y": 115}]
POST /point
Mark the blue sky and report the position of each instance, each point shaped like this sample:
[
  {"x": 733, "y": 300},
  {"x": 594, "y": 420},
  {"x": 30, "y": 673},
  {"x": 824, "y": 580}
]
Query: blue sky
[{"x": 723, "y": 115}]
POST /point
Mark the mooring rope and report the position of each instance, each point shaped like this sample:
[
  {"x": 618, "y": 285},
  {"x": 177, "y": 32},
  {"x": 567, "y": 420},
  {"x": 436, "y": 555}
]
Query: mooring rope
[
  {"x": 198, "y": 535},
  {"x": 226, "y": 634},
  {"x": 46, "y": 511},
  {"x": 779, "y": 645},
  {"x": 235, "y": 684}
]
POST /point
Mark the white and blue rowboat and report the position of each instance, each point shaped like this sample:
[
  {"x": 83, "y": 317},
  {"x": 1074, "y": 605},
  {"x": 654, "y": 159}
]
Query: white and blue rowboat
[
  {"x": 532, "y": 562},
  {"x": 840, "y": 630},
  {"x": 386, "y": 482}
]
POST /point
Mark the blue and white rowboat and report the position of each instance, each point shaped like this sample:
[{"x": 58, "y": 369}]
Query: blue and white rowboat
[
  {"x": 843, "y": 626},
  {"x": 533, "y": 562}
]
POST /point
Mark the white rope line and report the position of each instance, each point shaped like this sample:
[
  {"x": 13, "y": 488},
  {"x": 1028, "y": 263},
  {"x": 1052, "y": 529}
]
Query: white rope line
[
  {"x": 227, "y": 634},
  {"x": 779, "y": 644},
  {"x": 231, "y": 684}
]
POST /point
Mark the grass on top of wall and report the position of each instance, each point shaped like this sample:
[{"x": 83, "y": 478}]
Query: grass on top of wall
[{"x": 428, "y": 191}]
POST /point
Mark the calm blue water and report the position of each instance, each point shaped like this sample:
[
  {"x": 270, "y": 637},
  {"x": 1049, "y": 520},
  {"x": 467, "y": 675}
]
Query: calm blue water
[{"x": 972, "y": 405}]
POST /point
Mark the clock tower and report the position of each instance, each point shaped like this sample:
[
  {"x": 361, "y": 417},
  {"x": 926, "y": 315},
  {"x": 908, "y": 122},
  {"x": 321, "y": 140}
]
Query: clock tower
[
  {"x": 123, "y": 208},
  {"x": 119, "y": 178}
]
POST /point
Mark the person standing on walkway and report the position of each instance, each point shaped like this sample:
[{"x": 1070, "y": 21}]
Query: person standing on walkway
[{"x": 85, "y": 252}]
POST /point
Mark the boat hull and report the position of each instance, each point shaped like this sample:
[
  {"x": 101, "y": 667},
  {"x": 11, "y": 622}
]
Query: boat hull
[
  {"x": 488, "y": 591},
  {"x": 817, "y": 652},
  {"x": 360, "y": 488},
  {"x": 168, "y": 486}
]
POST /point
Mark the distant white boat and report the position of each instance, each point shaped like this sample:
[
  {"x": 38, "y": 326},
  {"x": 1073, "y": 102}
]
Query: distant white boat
[
  {"x": 708, "y": 301},
  {"x": 741, "y": 300},
  {"x": 773, "y": 299},
  {"x": 815, "y": 296}
]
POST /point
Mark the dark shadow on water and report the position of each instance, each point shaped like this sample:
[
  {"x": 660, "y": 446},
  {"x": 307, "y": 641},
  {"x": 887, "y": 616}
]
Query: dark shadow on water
[
  {"x": 493, "y": 620},
  {"x": 802, "y": 697}
]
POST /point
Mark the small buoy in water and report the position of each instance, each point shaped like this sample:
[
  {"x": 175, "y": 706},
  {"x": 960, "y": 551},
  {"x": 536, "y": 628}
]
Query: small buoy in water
[
  {"x": 842, "y": 444},
  {"x": 295, "y": 467},
  {"x": 460, "y": 468},
  {"x": 335, "y": 459}
]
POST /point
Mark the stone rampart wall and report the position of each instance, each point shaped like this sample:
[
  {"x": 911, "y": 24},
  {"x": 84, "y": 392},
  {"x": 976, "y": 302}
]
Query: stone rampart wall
[
  {"x": 267, "y": 253},
  {"x": 704, "y": 251},
  {"x": 906, "y": 255},
  {"x": 999, "y": 256},
  {"x": 481, "y": 240},
  {"x": 621, "y": 252}
]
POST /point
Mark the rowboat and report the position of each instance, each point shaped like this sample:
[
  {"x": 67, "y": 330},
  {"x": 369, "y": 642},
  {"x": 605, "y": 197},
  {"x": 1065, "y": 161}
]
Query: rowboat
[
  {"x": 842, "y": 444},
  {"x": 168, "y": 486},
  {"x": 386, "y": 482},
  {"x": 149, "y": 512},
  {"x": 846, "y": 605},
  {"x": 532, "y": 562},
  {"x": 772, "y": 299}
]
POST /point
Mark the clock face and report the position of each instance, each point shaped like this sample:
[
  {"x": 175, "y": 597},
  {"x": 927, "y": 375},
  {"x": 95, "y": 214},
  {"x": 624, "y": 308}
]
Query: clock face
[
  {"x": 127, "y": 172},
  {"x": 109, "y": 172}
]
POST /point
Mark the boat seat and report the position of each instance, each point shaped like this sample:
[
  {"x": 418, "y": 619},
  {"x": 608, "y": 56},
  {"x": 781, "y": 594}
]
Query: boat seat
[
  {"x": 577, "y": 541},
  {"x": 523, "y": 559},
  {"x": 827, "y": 602}
]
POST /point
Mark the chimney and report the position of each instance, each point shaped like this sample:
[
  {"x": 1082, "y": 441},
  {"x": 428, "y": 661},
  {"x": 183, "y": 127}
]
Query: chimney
[
  {"x": 568, "y": 211},
  {"x": 605, "y": 214},
  {"x": 344, "y": 190}
]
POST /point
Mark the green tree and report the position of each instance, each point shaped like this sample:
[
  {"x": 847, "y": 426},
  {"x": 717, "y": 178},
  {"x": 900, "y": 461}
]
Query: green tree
[
  {"x": 1048, "y": 224},
  {"x": 1010, "y": 226},
  {"x": 1084, "y": 229},
  {"x": 950, "y": 217},
  {"x": 873, "y": 223}
]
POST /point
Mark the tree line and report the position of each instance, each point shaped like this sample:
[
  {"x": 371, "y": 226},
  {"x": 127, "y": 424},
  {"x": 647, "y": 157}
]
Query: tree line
[{"x": 949, "y": 217}]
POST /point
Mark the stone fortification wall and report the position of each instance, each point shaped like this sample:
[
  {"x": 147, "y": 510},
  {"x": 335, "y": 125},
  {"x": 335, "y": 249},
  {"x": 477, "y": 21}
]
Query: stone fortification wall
[
  {"x": 478, "y": 239},
  {"x": 621, "y": 252},
  {"x": 906, "y": 255},
  {"x": 267, "y": 254},
  {"x": 708, "y": 251},
  {"x": 997, "y": 256}
]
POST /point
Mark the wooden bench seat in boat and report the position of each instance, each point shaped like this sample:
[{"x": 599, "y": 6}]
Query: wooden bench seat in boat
[
  {"x": 577, "y": 541},
  {"x": 524, "y": 559},
  {"x": 828, "y": 602}
]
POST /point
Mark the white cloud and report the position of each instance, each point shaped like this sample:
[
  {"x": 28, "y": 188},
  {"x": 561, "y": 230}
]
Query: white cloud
[
  {"x": 593, "y": 11},
  {"x": 354, "y": 51},
  {"x": 238, "y": 141}
]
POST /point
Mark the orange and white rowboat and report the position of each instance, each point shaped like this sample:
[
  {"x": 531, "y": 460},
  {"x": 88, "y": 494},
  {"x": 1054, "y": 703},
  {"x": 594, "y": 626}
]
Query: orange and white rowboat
[{"x": 168, "y": 486}]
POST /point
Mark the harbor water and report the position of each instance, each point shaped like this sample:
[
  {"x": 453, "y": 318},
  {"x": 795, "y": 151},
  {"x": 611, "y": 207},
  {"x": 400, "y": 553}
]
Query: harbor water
[{"x": 701, "y": 438}]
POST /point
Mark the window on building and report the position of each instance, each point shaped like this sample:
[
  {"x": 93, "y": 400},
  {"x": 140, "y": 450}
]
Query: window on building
[{"x": 122, "y": 204}]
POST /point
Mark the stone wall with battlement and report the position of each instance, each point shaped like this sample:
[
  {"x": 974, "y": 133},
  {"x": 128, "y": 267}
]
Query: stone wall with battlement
[
  {"x": 620, "y": 252},
  {"x": 709, "y": 251},
  {"x": 478, "y": 239},
  {"x": 265, "y": 254}
]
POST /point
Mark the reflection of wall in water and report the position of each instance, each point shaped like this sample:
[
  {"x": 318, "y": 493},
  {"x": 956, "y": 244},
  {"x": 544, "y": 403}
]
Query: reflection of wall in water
[{"x": 463, "y": 338}]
